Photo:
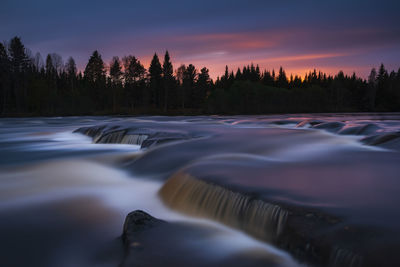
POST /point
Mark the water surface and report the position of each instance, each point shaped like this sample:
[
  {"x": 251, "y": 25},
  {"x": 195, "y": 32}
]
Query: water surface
[{"x": 65, "y": 194}]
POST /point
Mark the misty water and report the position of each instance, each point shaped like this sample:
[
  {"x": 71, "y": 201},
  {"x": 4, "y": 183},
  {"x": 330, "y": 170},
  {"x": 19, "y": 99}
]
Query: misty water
[{"x": 279, "y": 190}]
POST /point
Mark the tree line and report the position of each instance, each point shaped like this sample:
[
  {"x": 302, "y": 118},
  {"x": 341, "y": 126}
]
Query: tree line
[{"x": 30, "y": 85}]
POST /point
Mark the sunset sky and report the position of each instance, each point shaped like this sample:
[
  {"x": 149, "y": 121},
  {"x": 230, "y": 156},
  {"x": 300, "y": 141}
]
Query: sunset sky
[{"x": 298, "y": 35}]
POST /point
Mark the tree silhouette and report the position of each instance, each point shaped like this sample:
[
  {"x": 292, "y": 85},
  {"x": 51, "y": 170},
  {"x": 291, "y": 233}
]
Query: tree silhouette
[
  {"x": 116, "y": 81},
  {"x": 70, "y": 68},
  {"x": 116, "y": 71},
  {"x": 135, "y": 84},
  {"x": 50, "y": 69},
  {"x": 168, "y": 79},
  {"x": 203, "y": 87},
  {"x": 282, "y": 79},
  {"x": 95, "y": 76},
  {"x": 38, "y": 62},
  {"x": 29, "y": 87},
  {"x": 180, "y": 76},
  {"x": 94, "y": 70},
  {"x": 4, "y": 80},
  {"x": 189, "y": 81},
  {"x": 381, "y": 86},
  {"x": 155, "y": 74}
]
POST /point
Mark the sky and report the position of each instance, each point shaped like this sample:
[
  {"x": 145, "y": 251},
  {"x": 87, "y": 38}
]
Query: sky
[{"x": 327, "y": 35}]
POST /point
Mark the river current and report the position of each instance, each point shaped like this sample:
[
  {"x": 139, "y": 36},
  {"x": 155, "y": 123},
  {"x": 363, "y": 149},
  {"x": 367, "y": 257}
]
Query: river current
[{"x": 279, "y": 190}]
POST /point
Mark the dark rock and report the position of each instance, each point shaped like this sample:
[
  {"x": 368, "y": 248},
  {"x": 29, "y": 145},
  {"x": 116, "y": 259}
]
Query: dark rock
[
  {"x": 285, "y": 122},
  {"x": 152, "y": 242},
  {"x": 367, "y": 129},
  {"x": 137, "y": 221},
  {"x": 388, "y": 140},
  {"x": 310, "y": 122},
  {"x": 333, "y": 127}
]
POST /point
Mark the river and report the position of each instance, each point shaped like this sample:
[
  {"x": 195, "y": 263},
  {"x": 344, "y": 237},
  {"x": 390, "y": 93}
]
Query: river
[{"x": 279, "y": 190}]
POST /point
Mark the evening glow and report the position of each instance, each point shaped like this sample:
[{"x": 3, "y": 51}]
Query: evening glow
[{"x": 306, "y": 36}]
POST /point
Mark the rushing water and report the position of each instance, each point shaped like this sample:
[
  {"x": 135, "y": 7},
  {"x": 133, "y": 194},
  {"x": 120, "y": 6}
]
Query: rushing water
[{"x": 317, "y": 189}]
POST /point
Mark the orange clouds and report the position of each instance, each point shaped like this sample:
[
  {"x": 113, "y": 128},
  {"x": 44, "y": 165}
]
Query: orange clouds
[
  {"x": 306, "y": 57},
  {"x": 233, "y": 41}
]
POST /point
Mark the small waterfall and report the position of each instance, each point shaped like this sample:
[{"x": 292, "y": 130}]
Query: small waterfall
[
  {"x": 262, "y": 220},
  {"x": 120, "y": 137},
  {"x": 134, "y": 139},
  {"x": 198, "y": 198},
  {"x": 94, "y": 132}
]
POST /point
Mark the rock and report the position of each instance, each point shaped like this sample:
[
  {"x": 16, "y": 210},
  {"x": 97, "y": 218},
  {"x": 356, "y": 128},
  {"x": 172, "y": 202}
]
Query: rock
[
  {"x": 285, "y": 122},
  {"x": 333, "y": 127},
  {"x": 149, "y": 241},
  {"x": 367, "y": 129},
  {"x": 308, "y": 122},
  {"x": 137, "y": 221},
  {"x": 387, "y": 140}
]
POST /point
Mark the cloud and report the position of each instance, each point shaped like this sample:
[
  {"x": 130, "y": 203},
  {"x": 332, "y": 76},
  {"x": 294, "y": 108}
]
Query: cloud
[{"x": 328, "y": 34}]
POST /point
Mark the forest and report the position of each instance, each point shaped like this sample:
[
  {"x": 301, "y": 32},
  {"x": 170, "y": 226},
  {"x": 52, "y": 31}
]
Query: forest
[{"x": 31, "y": 86}]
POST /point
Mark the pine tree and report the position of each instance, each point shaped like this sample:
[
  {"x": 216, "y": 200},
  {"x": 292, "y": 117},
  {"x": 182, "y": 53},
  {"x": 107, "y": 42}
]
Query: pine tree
[
  {"x": 115, "y": 71},
  {"x": 258, "y": 73},
  {"x": 155, "y": 73},
  {"x": 189, "y": 81},
  {"x": 5, "y": 73},
  {"x": 19, "y": 58},
  {"x": 238, "y": 74},
  {"x": 94, "y": 70},
  {"x": 20, "y": 64},
  {"x": 282, "y": 79},
  {"x": 116, "y": 81},
  {"x": 50, "y": 69},
  {"x": 168, "y": 79},
  {"x": 95, "y": 75},
  {"x": 70, "y": 68},
  {"x": 202, "y": 87},
  {"x": 381, "y": 87}
]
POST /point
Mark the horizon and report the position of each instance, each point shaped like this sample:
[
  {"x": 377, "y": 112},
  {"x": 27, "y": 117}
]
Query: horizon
[{"x": 308, "y": 36}]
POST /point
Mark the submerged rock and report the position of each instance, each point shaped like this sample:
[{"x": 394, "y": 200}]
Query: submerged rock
[
  {"x": 333, "y": 127},
  {"x": 308, "y": 122},
  {"x": 387, "y": 140},
  {"x": 367, "y": 129},
  {"x": 285, "y": 122}
]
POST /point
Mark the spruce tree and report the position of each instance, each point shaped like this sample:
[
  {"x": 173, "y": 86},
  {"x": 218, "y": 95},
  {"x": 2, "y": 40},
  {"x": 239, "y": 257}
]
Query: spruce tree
[
  {"x": 19, "y": 58},
  {"x": 189, "y": 82},
  {"x": 94, "y": 70},
  {"x": 115, "y": 71},
  {"x": 202, "y": 87},
  {"x": 70, "y": 68},
  {"x": 282, "y": 79},
  {"x": 168, "y": 79},
  {"x": 5, "y": 73},
  {"x": 155, "y": 74},
  {"x": 116, "y": 81},
  {"x": 95, "y": 76},
  {"x": 50, "y": 69},
  {"x": 19, "y": 67}
]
